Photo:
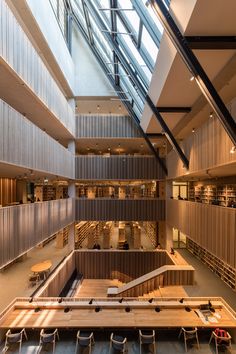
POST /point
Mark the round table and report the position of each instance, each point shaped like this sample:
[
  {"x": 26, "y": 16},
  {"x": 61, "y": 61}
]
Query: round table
[{"x": 41, "y": 267}]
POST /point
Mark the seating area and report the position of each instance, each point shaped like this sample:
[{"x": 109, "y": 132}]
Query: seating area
[{"x": 100, "y": 341}]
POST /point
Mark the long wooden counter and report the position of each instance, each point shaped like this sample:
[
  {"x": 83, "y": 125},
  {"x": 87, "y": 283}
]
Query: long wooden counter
[{"x": 113, "y": 314}]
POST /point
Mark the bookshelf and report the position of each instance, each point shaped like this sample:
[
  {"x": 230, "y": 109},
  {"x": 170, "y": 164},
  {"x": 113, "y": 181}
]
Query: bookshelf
[
  {"x": 81, "y": 232},
  {"x": 215, "y": 194},
  {"x": 216, "y": 265},
  {"x": 62, "y": 238},
  {"x": 150, "y": 229}
]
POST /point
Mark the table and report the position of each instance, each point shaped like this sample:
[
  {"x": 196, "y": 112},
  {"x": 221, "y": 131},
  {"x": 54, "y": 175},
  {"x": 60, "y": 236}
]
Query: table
[
  {"x": 41, "y": 267},
  {"x": 52, "y": 315}
]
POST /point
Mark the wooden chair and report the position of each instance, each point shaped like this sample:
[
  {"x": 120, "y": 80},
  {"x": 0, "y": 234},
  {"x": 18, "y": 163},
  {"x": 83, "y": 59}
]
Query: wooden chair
[
  {"x": 221, "y": 341},
  {"x": 118, "y": 343},
  {"x": 189, "y": 335},
  {"x": 85, "y": 340},
  {"x": 147, "y": 337},
  {"x": 46, "y": 338},
  {"x": 14, "y": 338}
]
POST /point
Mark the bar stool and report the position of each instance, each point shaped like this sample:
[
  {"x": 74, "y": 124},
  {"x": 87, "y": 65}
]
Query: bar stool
[
  {"x": 220, "y": 340},
  {"x": 14, "y": 338},
  {"x": 189, "y": 335},
  {"x": 118, "y": 343},
  {"x": 85, "y": 340},
  {"x": 147, "y": 337}
]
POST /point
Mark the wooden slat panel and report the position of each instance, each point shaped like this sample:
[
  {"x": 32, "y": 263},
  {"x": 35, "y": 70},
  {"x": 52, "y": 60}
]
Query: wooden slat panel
[
  {"x": 120, "y": 209},
  {"x": 22, "y": 143},
  {"x": 117, "y": 167},
  {"x": 105, "y": 126},
  {"x": 18, "y": 52},
  {"x": 24, "y": 226},
  {"x": 208, "y": 147},
  {"x": 212, "y": 227}
]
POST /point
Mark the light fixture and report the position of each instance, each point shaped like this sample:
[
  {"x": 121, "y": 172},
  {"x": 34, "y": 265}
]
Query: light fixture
[
  {"x": 150, "y": 300},
  {"x": 233, "y": 149},
  {"x": 119, "y": 106},
  {"x": 211, "y": 115},
  {"x": 98, "y": 107},
  {"x": 108, "y": 148},
  {"x": 193, "y": 130},
  {"x": 127, "y": 309},
  {"x": 157, "y": 309},
  {"x": 181, "y": 300},
  {"x": 90, "y": 302},
  {"x": 121, "y": 300},
  {"x": 67, "y": 309},
  {"x": 60, "y": 300},
  {"x": 192, "y": 78},
  {"x": 147, "y": 3}
]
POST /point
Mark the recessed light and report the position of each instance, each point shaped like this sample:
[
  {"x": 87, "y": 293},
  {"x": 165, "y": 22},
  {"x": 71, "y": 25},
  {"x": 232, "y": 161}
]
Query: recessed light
[
  {"x": 193, "y": 130},
  {"x": 98, "y": 107},
  {"x": 211, "y": 115}
]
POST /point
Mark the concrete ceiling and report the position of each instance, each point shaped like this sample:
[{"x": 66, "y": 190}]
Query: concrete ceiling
[{"x": 173, "y": 87}]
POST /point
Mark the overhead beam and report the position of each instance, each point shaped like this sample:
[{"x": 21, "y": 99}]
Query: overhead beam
[
  {"x": 211, "y": 42},
  {"x": 174, "y": 109},
  {"x": 195, "y": 68}
]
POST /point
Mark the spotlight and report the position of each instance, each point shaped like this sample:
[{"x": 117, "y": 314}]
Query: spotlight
[
  {"x": 157, "y": 309},
  {"x": 37, "y": 309},
  {"x": 181, "y": 300},
  {"x": 192, "y": 78},
  {"x": 150, "y": 300},
  {"x": 60, "y": 300},
  {"x": 31, "y": 300},
  {"x": 127, "y": 309},
  {"x": 121, "y": 300},
  {"x": 233, "y": 149},
  {"x": 97, "y": 309},
  {"x": 209, "y": 303},
  {"x": 188, "y": 309},
  {"x": 211, "y": 115},
  {"x": 90, "y": 302},
  {"x": 193, "y": 130},
  {"x": 67, "y": 309}
]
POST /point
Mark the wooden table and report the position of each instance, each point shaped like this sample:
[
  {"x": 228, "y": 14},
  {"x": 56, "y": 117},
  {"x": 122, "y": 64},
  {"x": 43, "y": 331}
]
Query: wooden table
[
  {"x": 41, "y": 267},
  {"x": 53, "y": 316}
]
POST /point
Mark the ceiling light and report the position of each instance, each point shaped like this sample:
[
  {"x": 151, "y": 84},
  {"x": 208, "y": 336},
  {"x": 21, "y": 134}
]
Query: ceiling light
[
  {"x": 109, "y": 149},
  {"x": 98, "y": 107},
  {"x": 120, "y": 107},
  {"x": 233, "y": 149},
  {"x": 193, "y": 130},
  {"x": 192, "y": 78},
  {"x": 211, "y": 115}
]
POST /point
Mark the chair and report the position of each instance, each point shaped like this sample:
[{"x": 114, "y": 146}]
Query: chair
[
  {"x": 118, "y": 343},
  {"x": 85, "y": 340},
  {"x": 34, "y": 279},
  {"x": 221, "y": 341},
  {"x": 147, "y": 337},
  {"x": 14, "y": 338},
  {"x": 189, "y": 335},
  {"x": 46, "y": 338}
]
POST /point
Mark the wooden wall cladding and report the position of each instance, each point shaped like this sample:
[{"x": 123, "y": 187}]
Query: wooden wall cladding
[
  {"x": 7, "y": 191},
  {"x": 120, "y": 209},
  {"x": 23, "y": 144},
  {"x": 106, "y": 126},
  {"x": 212, "y": 227},
  {"x": 122, "y": 265},
  {"x": 57, "y": 281},
  {"x": 24, "y": 226},
  {"x": 117, "y": 167},
  {"x": 208, "y": 147},
  {"x": 28, "y": 65}
]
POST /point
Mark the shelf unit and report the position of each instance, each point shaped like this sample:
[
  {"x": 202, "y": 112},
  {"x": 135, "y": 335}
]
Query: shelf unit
[
  {"x": 62, "y": 238},
  {"x": 219, "y": 267},
  {"x": 81, "y": 232},
  {"x": 49, "y": 193},
  {"x": 222, "y": 195},
  {"x": 150, "y": 229}
]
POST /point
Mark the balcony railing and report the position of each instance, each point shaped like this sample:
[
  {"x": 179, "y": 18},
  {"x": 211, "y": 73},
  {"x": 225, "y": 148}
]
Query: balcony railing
[
  {"x": 120, "y": 209},
  {"x": 117, "y": 167},
  {"x": 18, "y": 52},
  {"x": 24, "y": 226},
  {"x": 23, "y": 144}
]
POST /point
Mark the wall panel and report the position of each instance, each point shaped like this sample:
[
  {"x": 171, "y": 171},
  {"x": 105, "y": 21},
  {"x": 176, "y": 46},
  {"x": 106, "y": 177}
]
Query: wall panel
[
  {"x": 106, "y": 126},
  {"x": 24, "y": 226},
  {"x": 123, "y": 265},
  {"x": 120, "y": 209},
  {"x": 212, "y": 227},
  {"x": 208, "y": 147},
  {"x": 117, "y": 167},
  {"x": 23, "y": 144},
  {"x": 18, "y": 52}
]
